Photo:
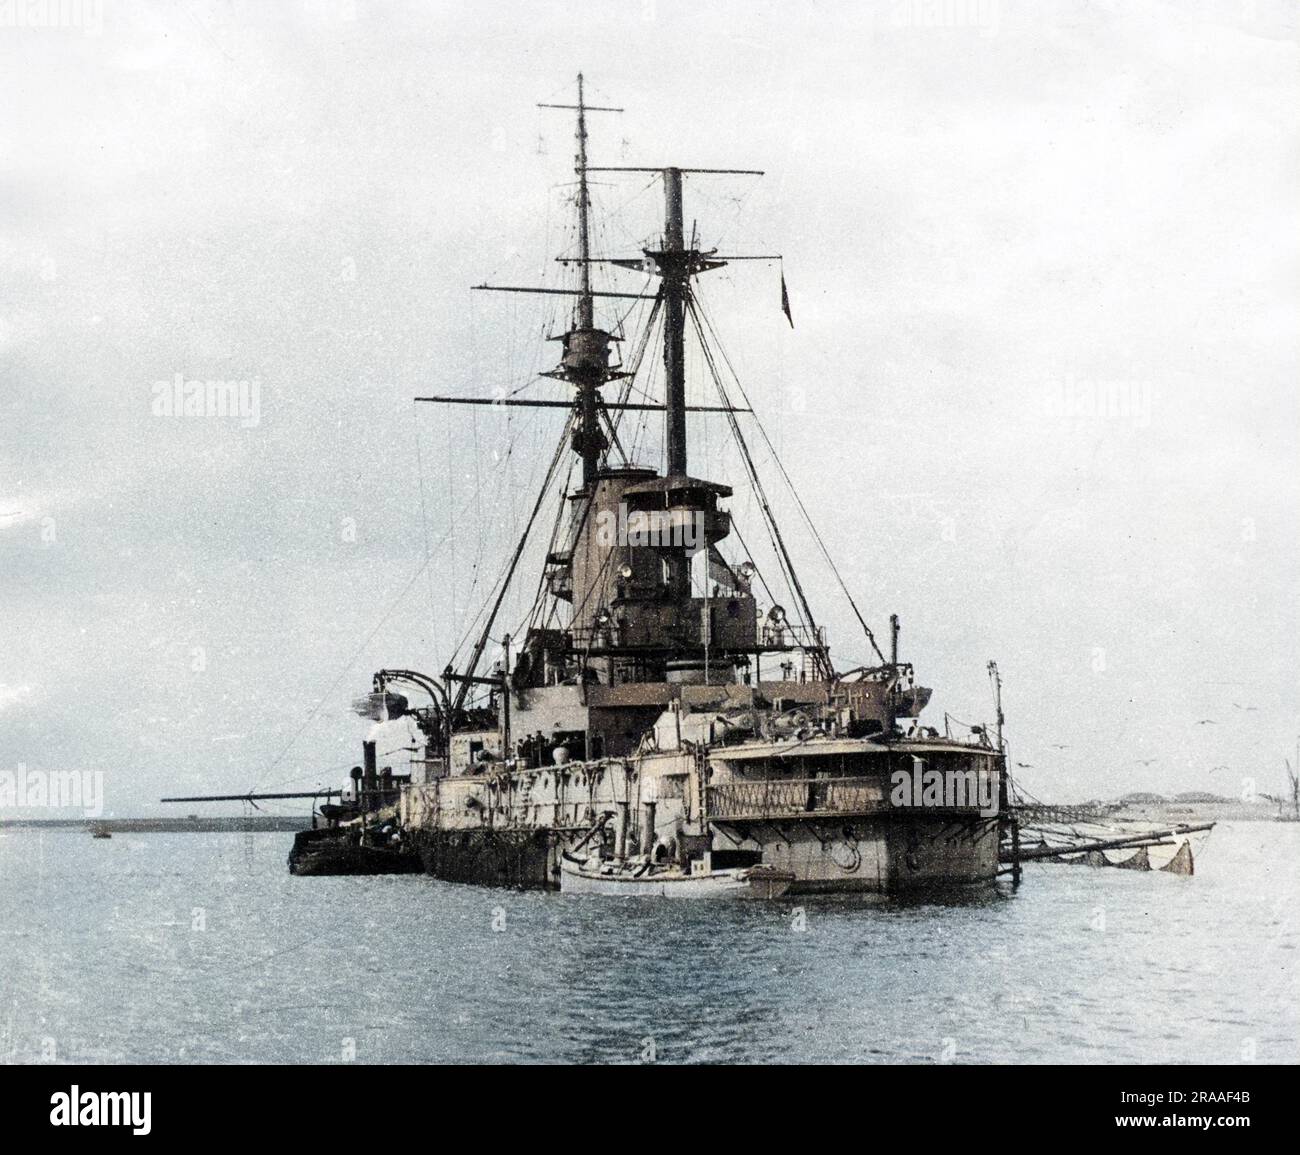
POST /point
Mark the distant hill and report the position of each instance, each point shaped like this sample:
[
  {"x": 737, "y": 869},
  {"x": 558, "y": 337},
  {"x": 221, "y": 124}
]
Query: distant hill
[{"x": 1192, "y": 805}]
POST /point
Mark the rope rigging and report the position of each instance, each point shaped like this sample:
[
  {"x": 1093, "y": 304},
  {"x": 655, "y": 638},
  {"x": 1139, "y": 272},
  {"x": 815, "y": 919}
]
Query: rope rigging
[
  {"x": 815, "y": 645},
  {"x": 698, "y": 311}
]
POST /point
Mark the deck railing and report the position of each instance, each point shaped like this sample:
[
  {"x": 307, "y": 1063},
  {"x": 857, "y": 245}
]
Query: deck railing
[{"x": 787, "y": 797}]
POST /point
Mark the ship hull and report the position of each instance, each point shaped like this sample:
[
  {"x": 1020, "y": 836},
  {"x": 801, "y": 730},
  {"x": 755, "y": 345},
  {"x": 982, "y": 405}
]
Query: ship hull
[
  {"x": 881, "y": 856},
  {"x": 520, "y": 859},
  {"x": 833, "y": 820},
  {"x": 886, "y": 856}
]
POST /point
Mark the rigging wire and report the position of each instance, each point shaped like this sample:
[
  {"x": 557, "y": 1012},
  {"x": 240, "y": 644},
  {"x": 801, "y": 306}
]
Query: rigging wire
[
  {"x": 424, "y": 524},
  {"x": 749, "y": 554},
  {"x": 344, "y": 671},
  {"x": 821, "y": 545},
  {"x": 504, "y": 582},
  {"x": 531, "y": 619},
  {"x": 814, "y": 643}
]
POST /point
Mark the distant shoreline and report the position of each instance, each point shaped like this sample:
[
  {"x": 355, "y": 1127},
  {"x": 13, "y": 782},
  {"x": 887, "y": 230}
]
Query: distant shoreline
[
  {"x": 1173, "y": 810},
  {"x": 1167, "y": 810},
  {"x": 1154, "y": 808},
  {"x": 255, "y": 824}
]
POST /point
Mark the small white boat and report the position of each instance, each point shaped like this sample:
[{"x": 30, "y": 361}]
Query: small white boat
[{"x": 637, "y": 878}]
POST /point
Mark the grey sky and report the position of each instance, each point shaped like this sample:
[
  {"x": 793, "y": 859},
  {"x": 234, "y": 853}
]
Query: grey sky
[{"x": 992, "y": 214}]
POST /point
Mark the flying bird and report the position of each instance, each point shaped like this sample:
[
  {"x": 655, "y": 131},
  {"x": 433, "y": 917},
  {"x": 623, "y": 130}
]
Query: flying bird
[
  {"x": 1025, "y": 765},
  {"x": 1214, "y": 768},
  {"x": 1146, "y": 761},
  {"x": 1240, "y": 707},
  {"x": 1207, "y": 722},
  {"x": 1056, "y": 746}
]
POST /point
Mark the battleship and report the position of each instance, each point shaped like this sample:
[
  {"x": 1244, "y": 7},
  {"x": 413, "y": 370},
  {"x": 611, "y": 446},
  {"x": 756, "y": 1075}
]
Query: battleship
[
  {"x": 671, "y": 720},
  {"x": 665, "y": 726}
]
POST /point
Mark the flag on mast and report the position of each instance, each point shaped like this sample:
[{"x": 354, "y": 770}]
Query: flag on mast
[{"x": 785, "y": 300}]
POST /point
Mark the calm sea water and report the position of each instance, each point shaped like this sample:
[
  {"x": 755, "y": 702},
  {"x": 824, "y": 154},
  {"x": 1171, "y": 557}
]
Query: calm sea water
[{"x": 201, "y": 948}]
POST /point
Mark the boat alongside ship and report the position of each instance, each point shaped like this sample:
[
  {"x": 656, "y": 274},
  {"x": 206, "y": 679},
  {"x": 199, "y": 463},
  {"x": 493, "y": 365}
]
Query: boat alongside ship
[
  {"x": 352, "y": 850},
  {"x": 644, "y": 879},
  {"x": 356, "y": 835},
  {"x": 359, "y": 834}
]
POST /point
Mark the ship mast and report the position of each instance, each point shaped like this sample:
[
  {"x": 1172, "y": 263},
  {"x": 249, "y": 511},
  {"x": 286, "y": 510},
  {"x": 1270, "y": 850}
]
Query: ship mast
[
  {"x": 588, "y": 438},
  {"x": 586, "y": 348},
  {"x": 675, "y": 271},
  {"x": 586, "y": 314},
  {"x": 676, "y": 264}
]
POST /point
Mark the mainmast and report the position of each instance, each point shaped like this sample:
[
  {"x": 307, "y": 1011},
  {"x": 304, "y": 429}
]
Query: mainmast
[
  {"x": 675, "y": 272},
  {"x": 676, "y": 264}
]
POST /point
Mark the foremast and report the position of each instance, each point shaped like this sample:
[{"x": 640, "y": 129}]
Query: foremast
[{"x": 585, "y": 360}]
